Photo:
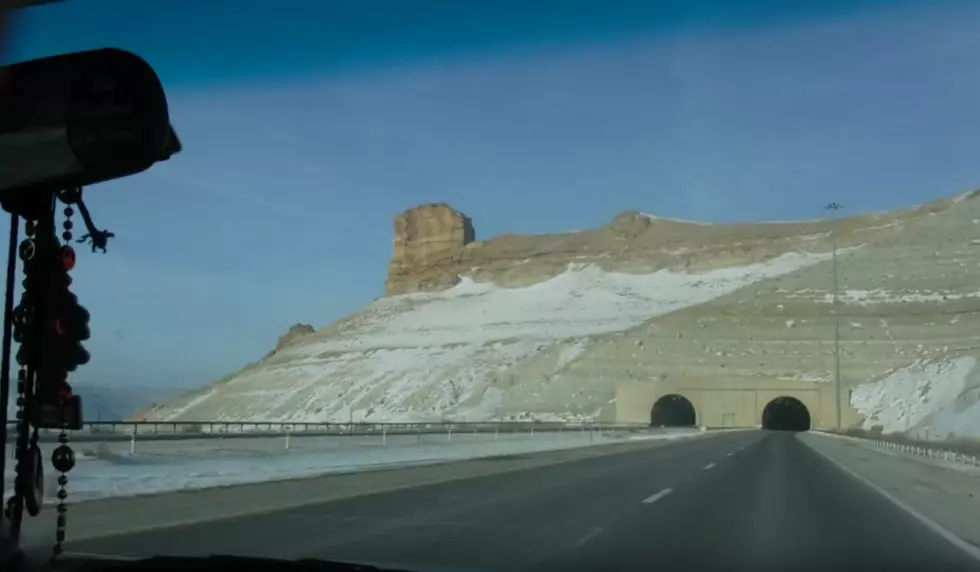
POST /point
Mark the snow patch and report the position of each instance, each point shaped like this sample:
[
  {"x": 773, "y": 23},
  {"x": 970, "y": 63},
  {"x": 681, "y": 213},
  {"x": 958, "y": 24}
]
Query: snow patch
[
  {"x": 810, "y": 377},
  {"x": 881, "y": 296},
  {"x": 677, "y": 220},
  {"x": 584, "y": 300},
  {"x": 569, "y": 353},
  {"x": 438, "y": 356},
  {"x": 929, "y": 399}
]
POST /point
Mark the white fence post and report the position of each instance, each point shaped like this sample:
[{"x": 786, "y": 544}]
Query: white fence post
[{"x": 923, "y": 451}]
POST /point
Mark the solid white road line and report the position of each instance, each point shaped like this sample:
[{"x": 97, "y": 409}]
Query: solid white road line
[{"x": 654, "y": 498}]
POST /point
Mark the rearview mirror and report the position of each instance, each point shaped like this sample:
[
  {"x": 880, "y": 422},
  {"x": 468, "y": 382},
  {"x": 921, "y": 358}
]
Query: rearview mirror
[{"x": 78, "y": 119}]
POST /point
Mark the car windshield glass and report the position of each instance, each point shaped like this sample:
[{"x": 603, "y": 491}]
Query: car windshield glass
[{"x": 510, "y": 285}]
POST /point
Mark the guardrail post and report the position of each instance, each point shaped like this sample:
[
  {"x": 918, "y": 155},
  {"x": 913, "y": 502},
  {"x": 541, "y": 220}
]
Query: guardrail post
[
  {"x": 384, "y": 436},
  {"x": 287, "y": 440},
  {"x": 132, "y": 442},
  {"x": 449, "y": 434}
]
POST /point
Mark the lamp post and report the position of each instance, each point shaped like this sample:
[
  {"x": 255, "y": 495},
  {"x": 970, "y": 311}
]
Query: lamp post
[{"x": 834, "y": 207}]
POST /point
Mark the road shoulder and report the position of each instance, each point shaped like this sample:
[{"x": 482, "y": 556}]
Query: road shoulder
[{"x": 947, "y": 497}]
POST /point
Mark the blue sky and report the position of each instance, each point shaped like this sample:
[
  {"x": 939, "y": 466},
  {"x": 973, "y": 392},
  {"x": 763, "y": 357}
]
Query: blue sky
[{"x": 308, "y": 125}]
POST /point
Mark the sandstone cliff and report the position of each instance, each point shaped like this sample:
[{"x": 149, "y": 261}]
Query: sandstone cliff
[
  {"x": 295, "y": 333},
  {"x": 429, "y": 244}
]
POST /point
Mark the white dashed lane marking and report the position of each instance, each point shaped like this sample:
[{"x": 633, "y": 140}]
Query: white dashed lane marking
[
  {"x": 655, "y": 497},
  {"x": 592, "y": 533}
]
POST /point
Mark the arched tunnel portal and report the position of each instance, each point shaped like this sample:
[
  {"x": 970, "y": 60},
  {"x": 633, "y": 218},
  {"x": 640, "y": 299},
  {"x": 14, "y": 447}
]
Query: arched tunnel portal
[
  {"x": 786, "y": 414},
  {"x": 673, "y": 410}
]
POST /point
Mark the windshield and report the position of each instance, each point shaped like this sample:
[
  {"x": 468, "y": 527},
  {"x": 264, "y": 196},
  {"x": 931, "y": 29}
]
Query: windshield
[{"x": 510, "y": 285}]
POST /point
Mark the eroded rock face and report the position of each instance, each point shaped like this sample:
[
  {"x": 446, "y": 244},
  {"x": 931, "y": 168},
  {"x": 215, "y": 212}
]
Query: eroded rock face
[
  {"x": 429, "y": 240},
  {"x": 629, "y": 224},
  {"x": 294, "y": 333}
]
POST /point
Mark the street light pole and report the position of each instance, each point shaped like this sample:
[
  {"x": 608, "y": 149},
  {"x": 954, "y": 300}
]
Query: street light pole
[{"x": 837, "y": 390}]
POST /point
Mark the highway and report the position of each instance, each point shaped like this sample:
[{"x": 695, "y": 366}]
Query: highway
[{"x": 749, "y": 500}]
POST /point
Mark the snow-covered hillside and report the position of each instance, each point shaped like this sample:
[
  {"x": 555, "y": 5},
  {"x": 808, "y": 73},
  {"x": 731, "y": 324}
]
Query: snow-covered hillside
[
  {"x": 447, "y": 354},
  {"x": 930, "y": 399},
  {"x": 517, "y": 338}
]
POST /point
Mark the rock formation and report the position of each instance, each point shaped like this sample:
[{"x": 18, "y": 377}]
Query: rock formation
[
  {"x": 293, "y": 334},
  {"x": 429, "y": 240}
]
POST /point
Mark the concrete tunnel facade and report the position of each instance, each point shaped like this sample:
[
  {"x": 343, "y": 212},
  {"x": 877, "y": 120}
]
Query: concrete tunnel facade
[{"x": 737, "y": 403}]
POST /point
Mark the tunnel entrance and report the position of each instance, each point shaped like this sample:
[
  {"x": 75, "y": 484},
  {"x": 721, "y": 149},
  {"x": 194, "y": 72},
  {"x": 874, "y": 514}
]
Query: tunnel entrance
[
  {"x": 786, "y": 414},
  {"x": 673, "y": 411}
]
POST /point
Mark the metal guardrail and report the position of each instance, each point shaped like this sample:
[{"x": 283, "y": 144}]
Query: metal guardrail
[
  {"x": 918, "y": 450},
  {"x": 178, "y": 430},
  {"x": 914, "y": 449}
]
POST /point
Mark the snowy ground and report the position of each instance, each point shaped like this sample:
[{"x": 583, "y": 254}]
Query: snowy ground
[
  {"x": 445, "y": 355},
  {"x": 583, "y": 301},
  {"x": 114, "y": 469},
  {"x": 932, "y": 400}
]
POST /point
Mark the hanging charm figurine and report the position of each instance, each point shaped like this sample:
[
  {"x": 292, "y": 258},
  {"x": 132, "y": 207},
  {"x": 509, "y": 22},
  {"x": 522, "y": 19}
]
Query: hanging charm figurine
[{"x": 97, "y": 238}]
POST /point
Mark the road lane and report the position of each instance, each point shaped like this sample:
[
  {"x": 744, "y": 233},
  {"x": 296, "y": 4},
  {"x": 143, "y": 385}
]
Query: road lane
[
  {"x": 743, "y": 501},
  {"x": 129, "y": 514},
  {"x": 420, "y": 515},
  {"x": 776, "y": 505}
]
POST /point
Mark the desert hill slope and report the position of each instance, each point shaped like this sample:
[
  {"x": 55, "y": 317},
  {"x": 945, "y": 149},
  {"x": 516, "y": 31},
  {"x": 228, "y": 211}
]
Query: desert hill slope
[{"x": 546, "y": 327}]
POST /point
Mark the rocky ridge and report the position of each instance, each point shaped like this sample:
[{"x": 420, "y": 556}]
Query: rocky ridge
[
  {"x": 435, "y": 245},
  {"x": 547, "y": 326}
]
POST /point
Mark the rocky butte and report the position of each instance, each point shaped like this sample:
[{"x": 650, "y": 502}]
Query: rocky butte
[
  {"x": 549, "y": 326},
  {"x": 429, "y": 241}
]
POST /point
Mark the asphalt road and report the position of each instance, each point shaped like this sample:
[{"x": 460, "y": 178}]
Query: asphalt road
[{"x": 751, "y": 500}]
